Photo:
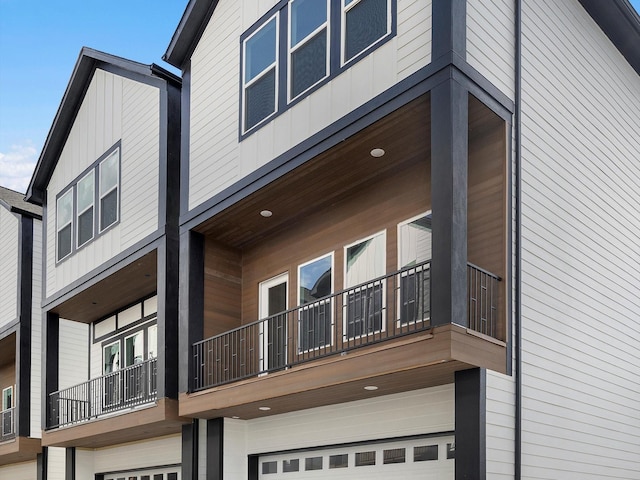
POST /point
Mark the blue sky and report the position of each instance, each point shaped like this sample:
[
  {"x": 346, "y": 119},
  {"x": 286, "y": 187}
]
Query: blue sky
[{"x": 39, "y": 44}]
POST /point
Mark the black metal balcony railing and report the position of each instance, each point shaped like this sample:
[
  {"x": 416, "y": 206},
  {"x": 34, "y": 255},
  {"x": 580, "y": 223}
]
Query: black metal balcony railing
[
  {"x": 119, "y": 390},
  {"x": 7, "y": 417},
  {"x": 387, "y": 307}
]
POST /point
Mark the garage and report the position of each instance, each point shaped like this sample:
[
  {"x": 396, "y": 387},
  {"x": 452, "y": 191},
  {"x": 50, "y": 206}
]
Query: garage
[
  {"x": 171, "y": 473},
  {"x": 424, "y": 457}
]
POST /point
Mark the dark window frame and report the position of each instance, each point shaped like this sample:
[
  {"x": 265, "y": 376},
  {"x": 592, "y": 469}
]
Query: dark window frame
[
  {"x": 336, "y": 64},
  {"x": 73, "y": 186}
]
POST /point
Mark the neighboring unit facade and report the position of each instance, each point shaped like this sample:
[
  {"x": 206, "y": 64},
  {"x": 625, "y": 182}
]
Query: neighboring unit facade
[
  {"x": 393, "y": 258},
  {"x": 106, "y": 181},
  {"x": 20, "y": 277}
]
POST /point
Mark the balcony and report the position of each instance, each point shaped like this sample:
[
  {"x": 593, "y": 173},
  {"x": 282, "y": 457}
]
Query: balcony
[
  {"x": 7, "y": 418},
  {"x": 389, "y": 312},
  {"x": 112, "y": 393},
  {"x": 116, "y": 407}
]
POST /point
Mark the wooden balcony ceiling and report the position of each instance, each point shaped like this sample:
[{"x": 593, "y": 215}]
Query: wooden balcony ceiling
[
  {"x": 118, "y": 288},
  {"x": 404, "y": 135},
  {"x": 8, "y": 349}
]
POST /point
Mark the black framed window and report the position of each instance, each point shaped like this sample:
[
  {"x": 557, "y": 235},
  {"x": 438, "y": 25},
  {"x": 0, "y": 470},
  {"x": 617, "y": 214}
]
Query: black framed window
[
  {"x": 85, "y": 201},
  {"x": 301, "y": 44},
  {"x": 64, "y": 224},
  {"x": 315, "y": 320}
]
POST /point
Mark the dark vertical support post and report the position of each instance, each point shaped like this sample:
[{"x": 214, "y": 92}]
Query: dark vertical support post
[
  {"x": 70, "y": 464},
  {"x": 215, "y": 448},
  {"x": 253, "y": 467},
  {"x": 190, "y": 451},
  {"x": 449, "y": 171},
  {"x": 471, "y": 424},
  {"x": 23, "y": 338},
  {"x": 41, "y": 464},
  {"x": 191, "y": 303},
  {"x": 50, "y": 358},
  {"x": 449, "y": 30}
]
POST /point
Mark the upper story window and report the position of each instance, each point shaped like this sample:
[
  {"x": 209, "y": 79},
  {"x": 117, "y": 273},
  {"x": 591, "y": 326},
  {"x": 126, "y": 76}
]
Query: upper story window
[
  {"x": 76, "y": 219},
  {"x": 300, "y": 45}
]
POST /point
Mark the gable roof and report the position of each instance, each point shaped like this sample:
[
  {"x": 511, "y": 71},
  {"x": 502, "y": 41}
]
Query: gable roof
[
  {"x": 72, "y": 99},
  {"x": 617, "y": 19},
  {"x": 15, "y": 203}
]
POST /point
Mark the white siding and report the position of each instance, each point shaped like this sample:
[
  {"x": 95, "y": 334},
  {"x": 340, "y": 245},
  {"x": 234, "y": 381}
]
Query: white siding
[
  {"x": 19, "y": 471},
  {"x": 581, "y": 249},
  {"x": 202, "y": 449},
  {"x": 36, "y": 329},
  {"x": 74, "y": 353},
  {"x": 422, "y": 411},
  {"x": 500, "y": 426},
  {"x": 84, "y": 464},
  {"x": 148, "y": 453},
  {"x": 114, "y": 108},
  {"x": 8, "y": 267},
  {"x": 217, "y": 159},
  {"x": 56, "y": 463},
  {"x": 491, "y": 41}
]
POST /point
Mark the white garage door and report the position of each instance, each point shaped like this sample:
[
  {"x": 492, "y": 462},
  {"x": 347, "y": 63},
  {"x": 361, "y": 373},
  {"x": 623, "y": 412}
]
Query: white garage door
[
  {"x": 172, "y": 473},
  {"x": 424, "y": 458}
]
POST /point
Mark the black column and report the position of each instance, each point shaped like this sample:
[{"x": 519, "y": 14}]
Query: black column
[
  {"x": 70, "y": 464},
  {"x": 190, "y": 451},
  {"x": 23, "y": 339},
  {"x": 471, "y": 424},
  {"x": 449, "y": 167},
  {"x": 191, "y": 302},
  {"x": 50, "y": 357},
  {"x": 215, "y": 448},
  {"x": 41, "y": 464},
  {"x": 449, "y": 31}
]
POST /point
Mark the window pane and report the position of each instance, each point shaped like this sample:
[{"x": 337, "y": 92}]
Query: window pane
[
  {"x": 306, "y": 16},
  {"x": 365, "y": 458},
  {"x": 269, "y": 467},
  {"x": 290, "y": 465},
  {"x": 394, "y": 455},
  {"x": 339, "y": 461},
  {"x": 86, "y": 188},
  {"x": 260, "y": 99},
  {"x": 152, "y": 341},
  {"x": 85, "y": 227},
  {"x": 315, "y": 280},
  {"x": 64, "y": 242},
  {"x": 65, "y": 208},
  {"x": 366, "y": 23},
  {"x": 134, "y": 349},
  {"x": 109, "y": 209},
  {"x": 313, "y": 463},
  {"x": 415, "y": 241},
  {"x": 425, "y": 453},
  {"x": 111, "y": 357},
  {"x": 308, "y": 63},
  {"x": 315, "y": 320},
  {"x": 109, "y": 173},
  {"x": 365, "y": 260},
  {"x": 260, "y": 50}
]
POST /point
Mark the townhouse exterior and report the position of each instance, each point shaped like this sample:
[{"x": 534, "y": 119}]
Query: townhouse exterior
[
  {"x": 106, "y": 180},
  {"x": 357, "y": 239}
]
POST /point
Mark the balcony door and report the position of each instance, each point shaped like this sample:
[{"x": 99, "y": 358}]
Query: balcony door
[
  {"x": 111, "y": 388},
  {"x": 273, "y": 329},
  {"x": 7, "y": 412}
]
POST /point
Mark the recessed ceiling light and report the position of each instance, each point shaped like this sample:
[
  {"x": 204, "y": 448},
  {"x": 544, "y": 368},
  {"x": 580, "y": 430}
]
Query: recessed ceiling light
[
  {"x": 264, "y": 409},
  {"x": 235, "y": 417},
  {"x": 266, "y": 213},
  {"x": 377, "y": 152},
  {"x": 371, "y": 388}
]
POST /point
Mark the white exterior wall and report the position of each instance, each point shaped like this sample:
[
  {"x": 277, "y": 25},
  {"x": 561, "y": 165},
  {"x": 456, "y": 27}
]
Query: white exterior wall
[
  {"x": 422, "y": 411},
  {"x": 19, "y": 471},
  {"x": 491, "y": 41},
  {"x": 9, "y": 225},
  {"x": 36, "y": 331},
  {"x": 148, "y": 453},
  {"x": 114, "y": 108},
  {"x": 581, "y": 249},
  {"x": 216, "y": 158},
  {"x": 202, "y": 449},
  {"x": 56, "y": 457},
  {"x": 74, "y": 353}
]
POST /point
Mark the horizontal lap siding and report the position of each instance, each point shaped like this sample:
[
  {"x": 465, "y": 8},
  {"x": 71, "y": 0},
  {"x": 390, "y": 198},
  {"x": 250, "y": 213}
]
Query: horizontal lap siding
[
  {"x": 74, "y": 353},
  {"x": 114, "y": 108},
  {"x": 9, "y": 225},
  {"x": 491, "y": 41},
  {"x": 145, "y": 454},
  {"x": 581, "y": 249},
  {"x": 56, "y": 457},
  {"x": 217, "y": 159},
  {"x": 36, "y": 329},
  {"x": 19, "y": 471},
  {"x": 422, "y": 411}
]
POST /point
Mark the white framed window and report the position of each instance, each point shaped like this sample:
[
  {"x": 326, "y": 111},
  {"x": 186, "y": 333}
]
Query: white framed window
[
  {"x": 414, "y": 248},
  {"x": 315, "y": 319},
  {"x": 111, "y": 357},
  {"x": 7, "y": 398},
  {"x": 308, "y": 45},
  {"x": 260, "y": 73},
  {"x": 85, "y": 208},
  {"x": 109, "y": 175},
  {"x": 364, "y": 24},
  {"x": 64, "y": 224},
  {"x": 273, "y": 297},
  {"x": 365, "y": 260}
]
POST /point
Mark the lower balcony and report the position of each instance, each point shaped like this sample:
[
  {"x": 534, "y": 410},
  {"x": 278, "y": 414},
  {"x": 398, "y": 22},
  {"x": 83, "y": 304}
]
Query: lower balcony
[
  {"x": 14, "y": 448},
  {"x": 7, "y": 417},
  {"x": 120, "y": 406},
  {"x": 377, "y": 333}
]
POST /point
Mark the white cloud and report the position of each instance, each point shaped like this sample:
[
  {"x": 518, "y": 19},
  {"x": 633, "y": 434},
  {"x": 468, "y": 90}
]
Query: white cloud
[{"x": 16, "y": 167}]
